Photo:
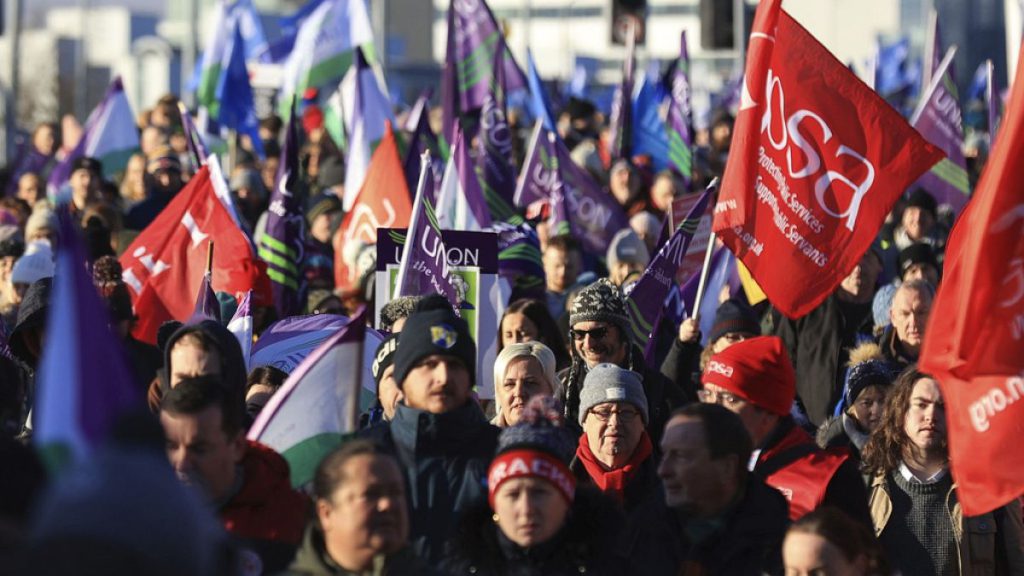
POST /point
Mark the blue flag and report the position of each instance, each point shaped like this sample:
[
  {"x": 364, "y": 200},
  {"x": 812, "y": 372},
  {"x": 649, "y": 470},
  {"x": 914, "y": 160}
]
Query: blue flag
[
  {"x": 540, "y": 107},
  {"x": 234, "y": 93},
  {"x": 649, "y": 133}
]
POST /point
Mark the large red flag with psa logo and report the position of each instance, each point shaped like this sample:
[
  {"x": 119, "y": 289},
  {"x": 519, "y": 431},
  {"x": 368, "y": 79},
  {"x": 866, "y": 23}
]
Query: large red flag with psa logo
[
  {"x": 164, "y": 266},
  {"x": 383, "y": 202},
  {"x": 974, "y": 342},
  {"x": 816, "y": 162}
]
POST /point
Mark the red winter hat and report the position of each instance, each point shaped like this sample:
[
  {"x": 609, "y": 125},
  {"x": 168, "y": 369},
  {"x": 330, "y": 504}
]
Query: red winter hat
[{"x": 758, "y": 370}]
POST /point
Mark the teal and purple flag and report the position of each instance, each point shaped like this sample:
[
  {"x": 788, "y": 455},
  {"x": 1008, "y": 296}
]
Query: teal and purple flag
[
  {"x": 473, "y": 38},
  {"x": 84, "y": 384},
  {"x": 519, "y": 257},
  {"x": 646, "y": 302},
  {"x": 424, "y": 268},
  {"x": 494, "y": 147},
  {"x": 592, "y": 213},
  {"x": 938, "y": 119},
  {"x": 461, "y": 204},
  {"x": 110, "y": 135},
  {"x": 282, "y": 244},
  {"x": 680, "y": 116},
  {"x": 620, "y": 126}
]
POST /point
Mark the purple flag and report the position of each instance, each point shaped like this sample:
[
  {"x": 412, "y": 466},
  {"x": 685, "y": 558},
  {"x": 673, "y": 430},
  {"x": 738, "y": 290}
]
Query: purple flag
[
  {"x": 84, "y": 382},
  {"x": 424, "y": 269},
  {"x": 938, "y": 119},
  {"x": 593, "y": 214},
  {"x": 680, "y": 119},
  {"x": 193, "y": 139},
  {"x": 30, "y": 160},
  {"x": 207, "y": 306},
  {"x": 476, "y": 38},
  {"x": 494, "y": 145},
  {"x": 645, "y": 302},
  {"x": 241, "y": 326},
  {"x": 421, "y": 140},
  {"x": 519, "y": 258},
  {"x": 282, "y": 245},
  {"x": 620, "y": 128}
]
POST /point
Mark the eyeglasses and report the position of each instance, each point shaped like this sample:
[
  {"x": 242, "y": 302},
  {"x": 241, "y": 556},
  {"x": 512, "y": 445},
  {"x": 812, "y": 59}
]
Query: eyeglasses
[
  {"x": 718, "y": 397},
  {"x": 625, "y": 416},
  {"x": 594, "y": 333}
]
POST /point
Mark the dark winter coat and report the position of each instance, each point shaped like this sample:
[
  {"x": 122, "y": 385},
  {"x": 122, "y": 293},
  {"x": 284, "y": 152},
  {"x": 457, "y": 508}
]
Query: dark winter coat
[
  {"x": 641, "y": 488},
  {"x": 585, "y": 545},
  {"x": 32, "y": 314},
  {"x": 892, "y": 351},
  {"x": 682, "y": 366},
  {"x": 313, "y": 560},
  {"x": 233, "y": 374},
  {"x": 818, "y": 345},
  {"x": 834, "y": 435},
  {"x": 444, "y": 458},
  {"x": 749, "y": 541}
]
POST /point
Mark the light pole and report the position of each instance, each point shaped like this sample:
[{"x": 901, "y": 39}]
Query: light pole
[{"x": 11, "y": 96}]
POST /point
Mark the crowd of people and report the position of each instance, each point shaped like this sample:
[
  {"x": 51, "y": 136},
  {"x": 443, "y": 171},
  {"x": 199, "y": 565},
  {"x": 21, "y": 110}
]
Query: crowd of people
[{"x": 769, "y": 445}]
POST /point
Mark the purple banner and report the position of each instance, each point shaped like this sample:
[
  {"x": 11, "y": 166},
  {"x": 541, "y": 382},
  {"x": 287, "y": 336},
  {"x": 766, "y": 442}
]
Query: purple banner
[{"x": 680, "y": 118}]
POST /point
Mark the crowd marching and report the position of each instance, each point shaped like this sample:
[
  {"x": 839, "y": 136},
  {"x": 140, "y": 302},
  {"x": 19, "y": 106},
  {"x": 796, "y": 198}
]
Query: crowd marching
[{"x": 353, "y": 341}]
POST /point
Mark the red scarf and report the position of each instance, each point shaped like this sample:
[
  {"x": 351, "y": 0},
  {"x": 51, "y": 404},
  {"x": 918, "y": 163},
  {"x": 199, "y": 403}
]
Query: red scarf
[{"x": 613, "y": 482}]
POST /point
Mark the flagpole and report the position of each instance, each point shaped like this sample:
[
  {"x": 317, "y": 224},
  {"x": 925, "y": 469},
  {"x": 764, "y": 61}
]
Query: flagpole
[
  {"x": 209, "y": 259},
  {"x": 702, "y": 282},
  {"x": 936, "y": 80}
]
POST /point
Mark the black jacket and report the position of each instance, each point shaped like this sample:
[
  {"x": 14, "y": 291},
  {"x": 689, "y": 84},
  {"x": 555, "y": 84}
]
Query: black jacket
[
  {"x": 585, "y": 545},
  {"x": 312, "y": 560},
  {"x": 682, "y": 366},
  {"x": 444, "y": 458},
  {"x": 819, "y": 344},
  {"x": 749, "y": 542}
]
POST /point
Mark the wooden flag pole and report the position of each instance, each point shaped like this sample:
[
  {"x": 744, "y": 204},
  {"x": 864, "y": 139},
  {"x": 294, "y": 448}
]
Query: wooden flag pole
[{"x": 209, "y": 258}]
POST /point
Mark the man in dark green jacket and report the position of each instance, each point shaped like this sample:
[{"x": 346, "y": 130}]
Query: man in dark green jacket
[{"x": 439, "y": 434}]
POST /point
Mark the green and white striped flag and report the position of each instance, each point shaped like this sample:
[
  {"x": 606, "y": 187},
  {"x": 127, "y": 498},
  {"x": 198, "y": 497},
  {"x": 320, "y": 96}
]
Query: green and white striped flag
[{"x": 324, "y": 47}]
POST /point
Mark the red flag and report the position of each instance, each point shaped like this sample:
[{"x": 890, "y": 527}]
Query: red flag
[
  {"x": 383, "y": 202},
  {"x": 166, "y": 262},
  {"x": 816, "y": 162},
  {"x": 974, "y": 343}
]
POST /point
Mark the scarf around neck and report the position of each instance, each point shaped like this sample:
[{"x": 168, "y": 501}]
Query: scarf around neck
[{"x": 613, "y": 482}]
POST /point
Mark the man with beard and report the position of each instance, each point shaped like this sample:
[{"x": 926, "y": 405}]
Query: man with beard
[
  {"x": 163, "y": 181},
  {"x": 247, "y": 482},
  {"x": 600, "y": 334}
]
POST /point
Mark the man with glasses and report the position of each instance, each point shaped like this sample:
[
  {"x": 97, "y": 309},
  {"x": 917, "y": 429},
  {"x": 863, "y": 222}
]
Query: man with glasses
[
  {"x": 600, "y": 333},
  {"x": 754, "y": 379},
  {"x": 615, "y": 452}
]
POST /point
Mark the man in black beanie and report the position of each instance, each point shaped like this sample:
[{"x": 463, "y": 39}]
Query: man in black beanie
[{"x": 439, "y": 433}]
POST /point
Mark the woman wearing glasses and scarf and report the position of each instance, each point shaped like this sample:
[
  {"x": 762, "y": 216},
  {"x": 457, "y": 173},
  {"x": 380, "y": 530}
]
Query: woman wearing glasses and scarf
[{"x": 615, "y": 452}]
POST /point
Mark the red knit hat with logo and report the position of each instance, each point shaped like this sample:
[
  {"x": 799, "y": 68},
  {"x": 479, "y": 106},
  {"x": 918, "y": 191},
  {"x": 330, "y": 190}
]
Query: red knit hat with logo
[{"x": 758, "y": 370}]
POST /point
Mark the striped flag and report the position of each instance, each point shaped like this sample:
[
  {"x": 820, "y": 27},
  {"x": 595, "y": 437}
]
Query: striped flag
[
  {"x": 366, "y": 112},
  {"x": 460, "y": 202},
  {"x": 318, "y": 403},
  {"x": 282, "y": 245},
  {"x": 84, "y": 381},
  {"x": 241, "y": 326},
  {"x": 938, "y": 119},
  {"x": 324, "y": 47},
  {"x": 110, "y": 135},
  {"x": 645, "y": 302},
  {"x": 680, "y": 117}
]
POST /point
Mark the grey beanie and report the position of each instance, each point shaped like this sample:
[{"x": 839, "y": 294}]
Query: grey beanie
[
  {"x": 610, "y": 383},
  {"x": 600, "y": 302},
  {"x": 626, "y": 246}
]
